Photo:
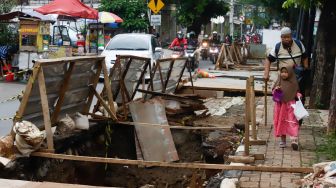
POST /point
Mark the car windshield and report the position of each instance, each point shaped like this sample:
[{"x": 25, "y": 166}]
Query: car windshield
[{"x": 128, "y": 42}]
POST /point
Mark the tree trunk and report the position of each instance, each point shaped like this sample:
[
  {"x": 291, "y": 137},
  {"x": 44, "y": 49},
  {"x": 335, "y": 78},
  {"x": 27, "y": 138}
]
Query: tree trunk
[
  {"x": 325, "y": 57},
  {"x": 332, "y": 109}
]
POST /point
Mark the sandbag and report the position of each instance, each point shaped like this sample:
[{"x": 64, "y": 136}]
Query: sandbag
[
  {"x": 6, "y": 146},
  {"x": 64, "y": 125},
  {"x": 28, "y": 137},
  {"x": 81, "y": 121}
]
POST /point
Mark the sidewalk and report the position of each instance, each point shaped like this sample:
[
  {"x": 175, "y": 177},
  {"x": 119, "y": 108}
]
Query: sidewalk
[{"x": 310, "y": 134}]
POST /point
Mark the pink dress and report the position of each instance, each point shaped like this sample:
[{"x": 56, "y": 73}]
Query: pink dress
[{"x": 284, "y": 119}]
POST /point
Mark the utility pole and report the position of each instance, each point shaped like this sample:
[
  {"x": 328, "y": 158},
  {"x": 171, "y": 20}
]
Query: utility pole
[{"x": 231, "y": 17}]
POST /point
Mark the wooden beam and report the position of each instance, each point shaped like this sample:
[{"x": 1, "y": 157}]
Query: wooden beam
[
  {"x": 257, "y": 142},
  {"x": 247, "y": 120},
  {"x": 101, "y": 100},
  {"x": 27, "y": 92},
  {"x": 262, "y": 168},
  {"x": 265, "y": 104},
  {"x": 241, "y": 159},
  {"x": 259, "y": 156},
  {"x": 94, "y": 82},
  {"x": 62, "y": 91},
  {"x": 45, "y": 110},
  {"x": 174, "y": 127},
  {"x": 108, "y": 89},
  {"x": 253, "y": 108}
]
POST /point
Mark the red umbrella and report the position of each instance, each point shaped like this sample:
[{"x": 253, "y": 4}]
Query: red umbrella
[{"x": 72, "y": 8}]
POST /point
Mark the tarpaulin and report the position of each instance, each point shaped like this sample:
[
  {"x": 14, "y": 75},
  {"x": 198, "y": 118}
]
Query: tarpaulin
[{"x": 72, "y": 8}]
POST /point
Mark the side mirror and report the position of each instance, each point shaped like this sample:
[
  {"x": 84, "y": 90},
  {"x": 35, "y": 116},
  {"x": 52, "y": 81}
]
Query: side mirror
[{"x": 158, "y": 49}]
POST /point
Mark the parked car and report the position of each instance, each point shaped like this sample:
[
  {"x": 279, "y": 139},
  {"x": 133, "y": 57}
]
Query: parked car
[{"x": 136, "y": 44}]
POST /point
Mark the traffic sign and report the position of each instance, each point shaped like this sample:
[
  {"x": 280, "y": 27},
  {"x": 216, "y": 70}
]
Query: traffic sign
[
  {"x": 155, "y": 5},
  {"x": 156, "y": 20}
]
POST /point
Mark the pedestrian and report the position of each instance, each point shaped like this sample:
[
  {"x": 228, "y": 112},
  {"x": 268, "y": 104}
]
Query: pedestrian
[
  {"x": 284, "y": 120},
  {"x": 289, "y": 52}
]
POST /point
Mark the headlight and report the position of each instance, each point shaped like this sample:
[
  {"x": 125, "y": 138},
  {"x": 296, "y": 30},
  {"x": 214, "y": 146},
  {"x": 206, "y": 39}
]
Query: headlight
[
  {"x": 204, "y": 44},
  {"x": 213, "y": 50},
  {"x": 175, "y": 56}
]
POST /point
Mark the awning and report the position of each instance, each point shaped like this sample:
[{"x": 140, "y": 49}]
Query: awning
[
  {"x": 72, "y": 8},
  {"x": 25, "y": 14}
]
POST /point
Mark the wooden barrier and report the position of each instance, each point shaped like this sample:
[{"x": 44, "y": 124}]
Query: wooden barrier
[
  {"x": 250, "y": 118},
  {"x": 261, "y": 168}
]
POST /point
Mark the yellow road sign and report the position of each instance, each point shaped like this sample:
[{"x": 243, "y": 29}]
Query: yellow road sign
[{"x": 155, "y": 5}]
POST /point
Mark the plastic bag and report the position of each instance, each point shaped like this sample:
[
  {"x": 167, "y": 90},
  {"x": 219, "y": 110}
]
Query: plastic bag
[
  {"x": 65, "y": 125},
  {"x": 299, "y": 111},
  {"x": 81, "y": 121},
  {"x": 277, "y": 95},
  {"x": 28, "y": 137}
]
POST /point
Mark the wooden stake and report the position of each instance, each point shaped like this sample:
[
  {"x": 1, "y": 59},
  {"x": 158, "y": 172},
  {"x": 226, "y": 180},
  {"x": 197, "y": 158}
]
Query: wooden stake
[
  {"x": 45, "y": 110},
  {"x": 101, "y": 100},
  {"x": 253, "y": 108},
  {"x": 265, "y": 103},
  {"x": 247, "y": 120},
  {"x": 94, "y": 82},
  {"x": 261, "y": 168}
]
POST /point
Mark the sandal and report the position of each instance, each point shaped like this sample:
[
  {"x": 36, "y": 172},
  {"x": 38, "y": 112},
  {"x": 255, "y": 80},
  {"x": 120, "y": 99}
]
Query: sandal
[
  {"x": 282, "y": 144},
  {"x": 295, "y": 146}
]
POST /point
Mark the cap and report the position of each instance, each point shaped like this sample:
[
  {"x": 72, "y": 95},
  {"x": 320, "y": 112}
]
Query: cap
[{"x": 285, "y": 31}]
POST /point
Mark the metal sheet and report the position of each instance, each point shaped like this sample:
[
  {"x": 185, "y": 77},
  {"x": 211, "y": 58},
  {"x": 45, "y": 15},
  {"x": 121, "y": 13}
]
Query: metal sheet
[
  {"x": 156, "y": 142},
  {"x": 257, "y": 51}
]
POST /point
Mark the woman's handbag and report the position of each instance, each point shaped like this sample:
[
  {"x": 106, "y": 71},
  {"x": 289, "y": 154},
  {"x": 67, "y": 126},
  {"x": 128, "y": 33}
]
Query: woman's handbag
[
  {"x": 277, "y": 95},
  {"x": 299, "y": 110}
]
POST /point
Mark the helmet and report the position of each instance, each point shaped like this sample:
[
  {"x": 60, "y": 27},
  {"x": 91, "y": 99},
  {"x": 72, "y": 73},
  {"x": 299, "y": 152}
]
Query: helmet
[
  {"x": 192, "y": 34},
  {"x": 206, "y": 36},
  {"x": 214, "y": 33},
  {"x": 180, "y": 35}
]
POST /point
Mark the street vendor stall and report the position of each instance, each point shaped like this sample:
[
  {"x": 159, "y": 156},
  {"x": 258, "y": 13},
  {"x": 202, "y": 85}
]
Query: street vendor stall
[
  {"x": 34, "y": 34},
  {"x": 72, "y": 9}
]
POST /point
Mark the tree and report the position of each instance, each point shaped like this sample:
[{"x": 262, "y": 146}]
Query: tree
[
  {"x": 133, "y": 12},
  {"x": 8, "y": 33},
  {"x": 195, "y": 13}
]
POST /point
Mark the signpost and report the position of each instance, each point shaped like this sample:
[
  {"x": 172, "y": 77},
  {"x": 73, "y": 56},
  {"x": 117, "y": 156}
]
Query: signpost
[{"x": 155, "y": 20}]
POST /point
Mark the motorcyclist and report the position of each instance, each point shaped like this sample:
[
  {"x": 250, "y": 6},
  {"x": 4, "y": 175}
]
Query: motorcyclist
[
  {"x": 179, "y": 41},
  {"x": 192, "y": 39},
  {"x": 215, "y": 40}
]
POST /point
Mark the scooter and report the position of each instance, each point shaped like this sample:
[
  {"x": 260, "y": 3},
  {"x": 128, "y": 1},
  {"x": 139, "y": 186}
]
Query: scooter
[
  {"x": 190, "y": 55},
  {"x": 214, "y": 53}
]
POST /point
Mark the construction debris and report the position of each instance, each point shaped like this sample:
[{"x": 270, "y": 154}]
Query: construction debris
[{"x": 324, "y": 176}]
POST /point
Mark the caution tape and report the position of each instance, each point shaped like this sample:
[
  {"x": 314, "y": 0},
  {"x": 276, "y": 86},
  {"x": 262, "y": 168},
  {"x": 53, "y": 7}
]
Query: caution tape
[
  {"x": 11, "y": 99},
  {"x": 15, "y": 73},
  {"x": 6, "y": 118}
]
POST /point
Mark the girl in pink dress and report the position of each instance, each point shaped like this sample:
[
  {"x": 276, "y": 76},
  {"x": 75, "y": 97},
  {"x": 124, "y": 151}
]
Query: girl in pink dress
[{"x": 284, "y": 119}]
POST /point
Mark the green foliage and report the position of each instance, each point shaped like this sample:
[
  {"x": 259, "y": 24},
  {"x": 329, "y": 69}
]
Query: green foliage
[
  {"x": 195, "y": 13},
  {"x": 303, "y": 3},
  {"x": 8, "y": 32},
  {"x": 133, "y": 12},
  {"x": 328, "y": 147}
]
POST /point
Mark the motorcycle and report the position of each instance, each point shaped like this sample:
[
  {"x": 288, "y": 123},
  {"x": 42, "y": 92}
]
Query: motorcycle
[
  {"x": 205, "y": 50},
  {"x": 190, "y": 55},
  {"x": 178, "y": 51},
  {"x": 214, "y": 53}
]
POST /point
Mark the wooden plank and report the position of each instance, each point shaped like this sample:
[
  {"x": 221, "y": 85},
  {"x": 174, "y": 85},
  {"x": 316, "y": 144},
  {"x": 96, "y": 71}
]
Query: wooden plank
[
  {"x": 175, "y": 127},
  {"x": 240, "y": 159},
  {"x": 94, "y": 82},
  {"x": 108, "y": 89},
  {"x": 262, "y": 168},
  {"x": 45, "y": 110},
  {"x": 259, "y": 156},
  {"x": 257, "y": 142},
  {"x": 25, "y": 98},
  {"x": 69, "y": 59},
  {"x": 61, "y": 93},
  {"x": 101, "y": 100}
]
